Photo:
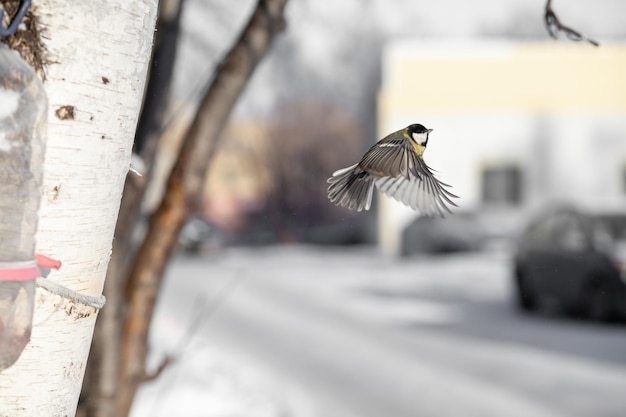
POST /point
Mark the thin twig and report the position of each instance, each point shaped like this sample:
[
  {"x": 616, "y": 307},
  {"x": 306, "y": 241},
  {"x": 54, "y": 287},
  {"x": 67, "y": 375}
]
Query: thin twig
[
  {"x": 207, "y": 307},
  {"x": 554, "y": 27},
  {"x": 207, "y": 311},
  {"x": 157, "y": 373}
]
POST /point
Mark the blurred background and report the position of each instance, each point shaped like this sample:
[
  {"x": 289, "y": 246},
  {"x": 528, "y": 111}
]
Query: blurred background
[{"x": 281, "y": 304}]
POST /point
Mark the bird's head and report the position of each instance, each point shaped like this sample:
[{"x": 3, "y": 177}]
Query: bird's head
[{"x": 418, "y": 133}]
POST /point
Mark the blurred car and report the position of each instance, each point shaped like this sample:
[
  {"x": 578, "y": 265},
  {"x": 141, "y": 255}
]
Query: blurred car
[
  {"x": 575, "y": 259},
  {"x": 461, "y": 232},
  {"x": 198, "y": 236}
]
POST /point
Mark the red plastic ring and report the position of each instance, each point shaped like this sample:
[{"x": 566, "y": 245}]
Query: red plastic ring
[{"x": 19, "y": 271}]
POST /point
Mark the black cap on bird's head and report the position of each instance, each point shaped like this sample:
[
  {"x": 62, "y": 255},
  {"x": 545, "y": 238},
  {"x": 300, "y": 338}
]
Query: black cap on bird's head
[{"x": 419, "y": 133}]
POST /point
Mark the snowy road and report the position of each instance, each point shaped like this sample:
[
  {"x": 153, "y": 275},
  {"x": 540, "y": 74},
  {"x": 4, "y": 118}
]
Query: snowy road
[{"x": 305, "y": 332}]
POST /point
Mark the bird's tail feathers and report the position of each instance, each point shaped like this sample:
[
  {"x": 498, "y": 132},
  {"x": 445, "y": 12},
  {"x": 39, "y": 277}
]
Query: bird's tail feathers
[{"x": 351, "y": 187}]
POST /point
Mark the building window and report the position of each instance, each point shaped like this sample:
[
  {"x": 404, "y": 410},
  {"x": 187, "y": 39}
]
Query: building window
[{"x": 502, "y": 185}]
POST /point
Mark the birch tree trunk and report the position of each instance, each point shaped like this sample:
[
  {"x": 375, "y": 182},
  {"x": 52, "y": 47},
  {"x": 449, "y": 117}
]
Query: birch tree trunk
[
  {"x": 99, "y": 54},
  {"x": 101, "y": 386}
]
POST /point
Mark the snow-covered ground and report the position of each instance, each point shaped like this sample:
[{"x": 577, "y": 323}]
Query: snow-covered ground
[
  {"x": 301, "y": 331},
  {"x": 209, "y": 381}
]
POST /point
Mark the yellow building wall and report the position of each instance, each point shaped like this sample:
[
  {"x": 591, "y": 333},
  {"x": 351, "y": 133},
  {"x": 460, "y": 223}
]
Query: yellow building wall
[{"x": 444, "y": 78}]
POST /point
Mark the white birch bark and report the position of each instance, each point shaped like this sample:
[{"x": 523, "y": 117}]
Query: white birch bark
[{"x": 100, "y": 52}]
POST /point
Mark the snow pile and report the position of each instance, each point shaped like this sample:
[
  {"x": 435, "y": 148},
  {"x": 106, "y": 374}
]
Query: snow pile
[{"x": 209, "y": 382}]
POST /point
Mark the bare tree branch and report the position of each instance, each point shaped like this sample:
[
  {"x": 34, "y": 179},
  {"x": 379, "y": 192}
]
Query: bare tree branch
[
  {"x": 184, "y": 187},
  {"x": 554, "y": 27}
]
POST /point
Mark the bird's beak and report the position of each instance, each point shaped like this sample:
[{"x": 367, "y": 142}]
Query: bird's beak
[{"x": 429, "y": 130}]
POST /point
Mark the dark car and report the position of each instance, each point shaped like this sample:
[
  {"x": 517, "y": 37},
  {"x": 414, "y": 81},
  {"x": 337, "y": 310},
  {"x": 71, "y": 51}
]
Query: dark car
[
  {"x": 461, "y": 232},
  {"x": 574, "y": 260},
  {"x": 199, "y": 236}
]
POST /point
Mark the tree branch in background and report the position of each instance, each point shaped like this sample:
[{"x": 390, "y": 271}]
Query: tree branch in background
[
  {"x": 554, "y": 27},
  {"x": 184, "y": 188}
]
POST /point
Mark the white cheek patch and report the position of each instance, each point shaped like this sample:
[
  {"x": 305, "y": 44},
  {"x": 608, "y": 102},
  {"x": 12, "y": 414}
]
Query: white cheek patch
[{"x": 420, "y": 138}]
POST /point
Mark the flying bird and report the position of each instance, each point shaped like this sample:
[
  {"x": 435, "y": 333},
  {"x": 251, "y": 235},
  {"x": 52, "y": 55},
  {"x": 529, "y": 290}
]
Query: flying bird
[{"x": 395, "y": 164}]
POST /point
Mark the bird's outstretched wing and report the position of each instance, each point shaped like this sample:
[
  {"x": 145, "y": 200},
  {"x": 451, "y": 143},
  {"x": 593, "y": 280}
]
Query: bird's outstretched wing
[
  {"x": 392, "y": 157},
  {"x": 418, "y": 189}
]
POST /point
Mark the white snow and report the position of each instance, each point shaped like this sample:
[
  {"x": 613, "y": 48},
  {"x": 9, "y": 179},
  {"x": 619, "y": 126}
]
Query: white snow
[
  {"x": 208, "y": 381},
  {"x": 216, "y": 378}
]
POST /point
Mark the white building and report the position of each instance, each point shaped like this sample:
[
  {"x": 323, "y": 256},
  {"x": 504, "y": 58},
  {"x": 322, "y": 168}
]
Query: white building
[{"x": 515, "y": 125}]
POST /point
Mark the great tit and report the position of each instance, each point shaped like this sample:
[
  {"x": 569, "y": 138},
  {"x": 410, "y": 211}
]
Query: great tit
[{"x": 396, "y": 166}]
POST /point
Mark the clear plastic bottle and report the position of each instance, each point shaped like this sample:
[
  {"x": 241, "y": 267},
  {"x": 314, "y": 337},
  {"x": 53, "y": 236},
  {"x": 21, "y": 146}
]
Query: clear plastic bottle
[{"x": 23, "y": 114}]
